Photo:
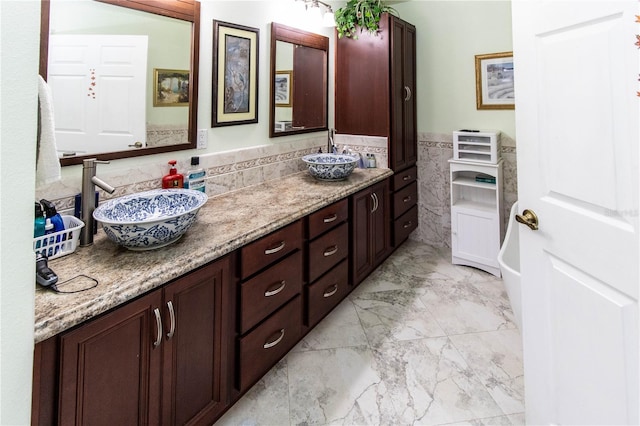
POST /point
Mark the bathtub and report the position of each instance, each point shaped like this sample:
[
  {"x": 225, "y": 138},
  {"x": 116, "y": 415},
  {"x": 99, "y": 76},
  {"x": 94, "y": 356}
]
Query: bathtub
[{"x": 509, "y": 261}]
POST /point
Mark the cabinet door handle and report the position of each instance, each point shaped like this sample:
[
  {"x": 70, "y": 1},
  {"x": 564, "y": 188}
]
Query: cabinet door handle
[
  {"x": 374, "y": 197},
  {"x": 406, "y": 199},
  {"x": 407, "y": 93},
  {"x": 406, "y": 177},
  {"x": 407, "y": 224},
  {"x": 332, "y": 292},
  {"x": 275, "y": 249},
  {"x": 270, "y": 293},
  {"x": 271, "y": 344},
  {"x": 330, "y": 251},
  {"x": 330, "y": 219},
  {"x": 172, "y": 320},
  {"x": 156, "y": 312}
]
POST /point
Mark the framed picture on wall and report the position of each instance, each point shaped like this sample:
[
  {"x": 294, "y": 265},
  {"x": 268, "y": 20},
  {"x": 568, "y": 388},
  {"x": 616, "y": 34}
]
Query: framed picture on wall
[
  {"x": 235, "y": 76},
  {"x": 494, "y": 81},
  {"x": 170, "y": 87},
  {"x": 284, "y": 80}
]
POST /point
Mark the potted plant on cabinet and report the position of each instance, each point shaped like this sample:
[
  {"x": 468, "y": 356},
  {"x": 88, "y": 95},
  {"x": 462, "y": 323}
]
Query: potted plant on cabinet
[{"x": 362, "y": 15}]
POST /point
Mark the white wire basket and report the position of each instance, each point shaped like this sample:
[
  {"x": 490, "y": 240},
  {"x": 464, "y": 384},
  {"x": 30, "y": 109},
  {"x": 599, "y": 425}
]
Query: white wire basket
[{"x": 61, "y": 243}]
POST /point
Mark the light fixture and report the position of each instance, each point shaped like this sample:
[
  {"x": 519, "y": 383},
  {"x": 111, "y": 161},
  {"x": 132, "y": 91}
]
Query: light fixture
[{"x": 313, "y": 7}]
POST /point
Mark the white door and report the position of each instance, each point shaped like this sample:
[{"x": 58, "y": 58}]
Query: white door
[
  {"x": 577, "y": 121},
  {"x": 98, "y": 85}
]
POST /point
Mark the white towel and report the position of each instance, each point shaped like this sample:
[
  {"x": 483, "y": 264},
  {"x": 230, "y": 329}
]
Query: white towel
[{"x": 47, "y": 164}]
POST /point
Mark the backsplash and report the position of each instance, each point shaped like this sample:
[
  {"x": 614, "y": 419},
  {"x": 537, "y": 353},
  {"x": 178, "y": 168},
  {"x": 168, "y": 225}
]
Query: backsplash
[
  {"x": 434, "y": 211},
  {"x": 226, "y": 171}
]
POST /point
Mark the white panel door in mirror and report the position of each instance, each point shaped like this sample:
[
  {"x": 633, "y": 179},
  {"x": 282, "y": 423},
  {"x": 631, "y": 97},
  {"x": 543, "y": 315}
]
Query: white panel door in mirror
[{"x": 88, "y": 74}]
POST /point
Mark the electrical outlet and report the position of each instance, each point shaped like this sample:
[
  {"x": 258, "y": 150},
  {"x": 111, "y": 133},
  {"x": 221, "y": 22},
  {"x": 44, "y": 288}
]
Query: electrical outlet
[{"x": 203, "y": 135}]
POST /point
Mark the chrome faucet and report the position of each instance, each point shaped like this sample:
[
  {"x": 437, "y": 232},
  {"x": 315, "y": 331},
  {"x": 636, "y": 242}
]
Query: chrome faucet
[
  {"x": 89, "y": 182},
  {"x": 330, "y": 144}
]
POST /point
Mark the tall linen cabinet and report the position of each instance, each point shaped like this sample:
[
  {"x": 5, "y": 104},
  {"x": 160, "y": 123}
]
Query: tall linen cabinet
[{"x": 375, "y": 96}]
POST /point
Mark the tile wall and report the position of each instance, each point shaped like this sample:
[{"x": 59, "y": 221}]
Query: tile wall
[
  {"x": 226, "y": 171},
  {"x": 434, "y": 152}
]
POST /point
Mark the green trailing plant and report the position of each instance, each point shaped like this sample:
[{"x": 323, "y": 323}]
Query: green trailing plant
[{"x": 360, "y": 15}]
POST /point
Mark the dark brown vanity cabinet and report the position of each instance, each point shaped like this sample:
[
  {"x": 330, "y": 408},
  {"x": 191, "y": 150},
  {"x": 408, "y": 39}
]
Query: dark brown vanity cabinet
[
  {"x": 327, "y": 266},
  {"x": 160, "y": 359},
  {"x": 270, "y": 305},
  {"x": 376, "y": 87},
  {"x": 370, "y": 230},
  {"x": 405, "y": 204}
]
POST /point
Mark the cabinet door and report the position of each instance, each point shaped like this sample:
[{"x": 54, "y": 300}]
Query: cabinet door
[
  {"x": 370, "y": 242},
  {"x": 361, "y": 257},
  {"x": 380, "y": 223},
  {"x": 110, "y": 368},
  {"x": 403, "y": 143},
  {"x": 195, "y": 375}
]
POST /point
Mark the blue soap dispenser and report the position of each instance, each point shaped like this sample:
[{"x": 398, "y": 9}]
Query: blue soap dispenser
[{"x": 53, "y": 216}]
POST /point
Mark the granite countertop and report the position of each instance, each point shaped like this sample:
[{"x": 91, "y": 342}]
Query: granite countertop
[{"x": 225, "y": 223}]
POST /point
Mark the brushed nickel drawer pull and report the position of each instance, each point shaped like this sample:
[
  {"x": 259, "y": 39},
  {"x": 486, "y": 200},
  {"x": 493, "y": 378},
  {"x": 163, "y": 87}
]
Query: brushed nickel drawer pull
[
  {"x": 332, "y": 292},
  {"x": 274, "y": 342},
  {"x": 172, "y": 317},
  {"x": 406, "y": 178},
  {"x": 407, "y": 224},
  {"x": 275, "y": 249},
  {"x": 407, "y": 199},
  {"x": 330, "y": 219},
  {"x": 270, "y": 293},
  {"x": 156, "y": 312},
  {"x": 330, "y": 251}
]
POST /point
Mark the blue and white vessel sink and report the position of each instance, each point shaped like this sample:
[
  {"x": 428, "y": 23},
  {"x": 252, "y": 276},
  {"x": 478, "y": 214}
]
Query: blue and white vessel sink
[
  {"x": 330, "y": 167},
  {"x": 150, "y": 220}
]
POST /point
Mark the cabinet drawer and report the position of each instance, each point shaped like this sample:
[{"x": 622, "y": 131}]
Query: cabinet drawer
[
  {"x": 266, "y": 250},
  {"x": 269, "y": 290},
  {"x": 327, "y": 218},
  {"x": 405, "y": 177},
  {"x": 327, "y": 292},
  {"x": 327, "y": 250},
  {"x": 404, "y": 199},
  {"x": 264, "y": 346},
  {"x": 404, "y": 225}
]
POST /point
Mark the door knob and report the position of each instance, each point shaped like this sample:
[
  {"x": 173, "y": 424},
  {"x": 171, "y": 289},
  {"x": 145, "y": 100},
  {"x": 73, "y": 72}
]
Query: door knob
[{"x": 529, "y": 218}]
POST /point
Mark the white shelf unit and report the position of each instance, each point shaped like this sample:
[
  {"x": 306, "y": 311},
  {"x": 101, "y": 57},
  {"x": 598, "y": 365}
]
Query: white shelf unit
[
  {"x": 482, "y": 146},
  {"x": 476, "y": 214}
]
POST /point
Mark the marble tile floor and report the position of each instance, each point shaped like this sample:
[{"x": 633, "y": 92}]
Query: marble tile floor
[{"x": 419, "y": 342}]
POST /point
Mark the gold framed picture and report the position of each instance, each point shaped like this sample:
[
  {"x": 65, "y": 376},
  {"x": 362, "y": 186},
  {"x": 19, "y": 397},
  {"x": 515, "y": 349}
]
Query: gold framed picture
[
  {"x": 170, "y": 87},
  {"x": 494, "y": 81}
]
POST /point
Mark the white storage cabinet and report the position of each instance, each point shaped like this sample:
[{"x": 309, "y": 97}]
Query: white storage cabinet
[
  {"x": 476, "y": 214},
  {"x": 482, "y": 146}
]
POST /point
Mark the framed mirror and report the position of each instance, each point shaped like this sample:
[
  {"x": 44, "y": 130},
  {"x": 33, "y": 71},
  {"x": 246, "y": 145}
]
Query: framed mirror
[
  {"x": 108, "y": 110},
  {"x": 299, "y": 81}
]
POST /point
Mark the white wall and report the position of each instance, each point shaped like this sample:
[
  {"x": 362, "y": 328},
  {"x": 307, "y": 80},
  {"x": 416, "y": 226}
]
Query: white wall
[
  {"x": 449, "y": 35},
  {"x": 19, "y": 41}
]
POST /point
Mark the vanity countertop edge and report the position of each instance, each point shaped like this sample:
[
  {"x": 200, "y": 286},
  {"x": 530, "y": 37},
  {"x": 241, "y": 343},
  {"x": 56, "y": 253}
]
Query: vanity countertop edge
[{"x": 225, "y": 223}]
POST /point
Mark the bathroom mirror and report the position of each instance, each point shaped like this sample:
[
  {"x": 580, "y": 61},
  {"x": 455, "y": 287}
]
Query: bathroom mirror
[
  {"x": 164, "y": 101},
  {"x": 299, "y": 81}
]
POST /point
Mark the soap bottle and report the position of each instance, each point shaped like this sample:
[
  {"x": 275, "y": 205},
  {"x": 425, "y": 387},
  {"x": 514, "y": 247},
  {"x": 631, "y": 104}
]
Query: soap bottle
[
  {"x": 194, "y": 178},
  {"x": 173, "y": 179},
  {"x": 53, "y": 216},
  {"x": 38, "y": 226}
]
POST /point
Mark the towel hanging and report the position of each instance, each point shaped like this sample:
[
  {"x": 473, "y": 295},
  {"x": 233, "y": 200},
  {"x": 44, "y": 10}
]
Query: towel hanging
[{"x": 47, "y": 162}]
